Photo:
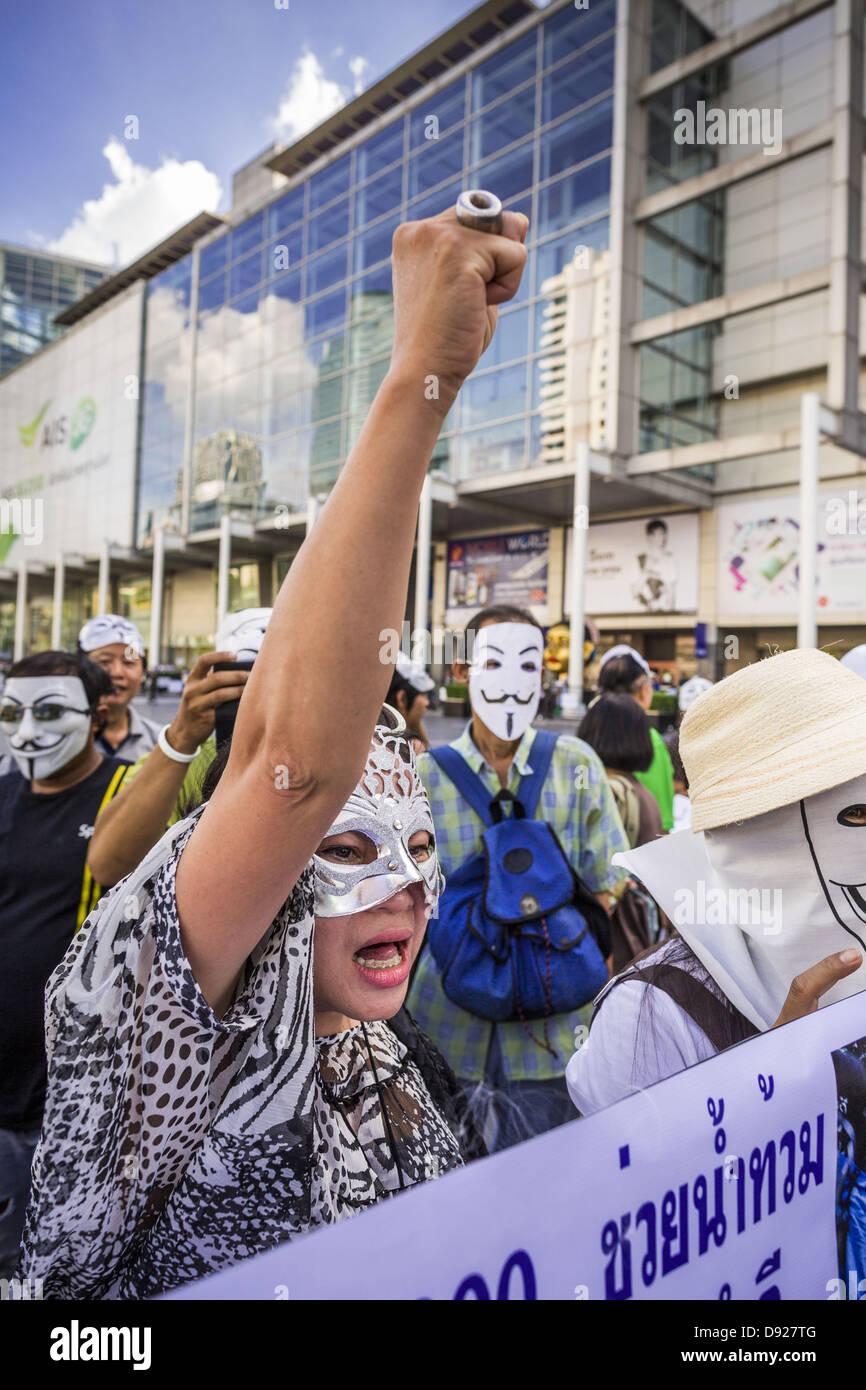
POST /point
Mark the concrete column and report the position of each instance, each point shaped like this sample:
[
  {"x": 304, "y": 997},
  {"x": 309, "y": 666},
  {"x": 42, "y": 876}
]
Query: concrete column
[
  {"x": 225, "y": 559},
  {"x": 628, "y": 172},
  {"x": 807, "y": 623},
  {"x": 422, "y": 554},
  {"x": 156, "y": 596},
  {"x": 843, "y": 364},
  {"x": 20, "y": 611},
  {"x": 577, "y": 581},
  {"x": 102, "y": 582},
  {"x": 57, "y": 605}
]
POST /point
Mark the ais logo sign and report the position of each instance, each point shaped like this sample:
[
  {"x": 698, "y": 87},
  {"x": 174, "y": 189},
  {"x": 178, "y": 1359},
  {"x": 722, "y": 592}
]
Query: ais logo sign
[{"x": 62, "y": 428}]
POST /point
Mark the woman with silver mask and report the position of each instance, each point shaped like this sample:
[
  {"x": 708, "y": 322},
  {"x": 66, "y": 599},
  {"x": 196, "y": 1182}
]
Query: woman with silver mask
[{"x": 229, "y": 1065}]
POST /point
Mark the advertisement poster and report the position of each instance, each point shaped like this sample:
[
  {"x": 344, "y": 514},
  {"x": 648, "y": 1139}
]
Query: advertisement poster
[
  {"x": 498, "y": 569},
  {"x": 68, "y": 420},
  {"x": 645, "y": 566},
  {"x": 740, "y": 1178},
  {"x": 759, "y": 553}
]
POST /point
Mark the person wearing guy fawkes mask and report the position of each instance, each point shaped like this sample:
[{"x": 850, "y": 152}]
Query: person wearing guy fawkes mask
[
  {"x": 514, "y": 1077},
  {"x": 767, "y": 890},
  {"x": 165, "y": 784},
  {"x": 50, "y": 710}
]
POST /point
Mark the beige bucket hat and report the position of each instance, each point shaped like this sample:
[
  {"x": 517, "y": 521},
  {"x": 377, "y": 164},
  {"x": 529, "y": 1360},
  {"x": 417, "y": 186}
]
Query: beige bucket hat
[{"x": 783, "y": 729}]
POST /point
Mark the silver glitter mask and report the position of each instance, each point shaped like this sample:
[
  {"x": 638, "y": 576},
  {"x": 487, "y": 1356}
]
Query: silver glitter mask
[{"x": 388, "y": 806}]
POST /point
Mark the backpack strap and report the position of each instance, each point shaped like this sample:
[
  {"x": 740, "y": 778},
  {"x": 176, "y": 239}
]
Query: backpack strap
[
  {"x": 530, "y": 786},
  {"x": 628, "y": 806},
  {"x": 467, "y": 782}
]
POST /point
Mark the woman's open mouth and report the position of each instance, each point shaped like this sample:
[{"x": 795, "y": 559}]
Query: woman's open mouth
[{"x": 384, "y": 963}]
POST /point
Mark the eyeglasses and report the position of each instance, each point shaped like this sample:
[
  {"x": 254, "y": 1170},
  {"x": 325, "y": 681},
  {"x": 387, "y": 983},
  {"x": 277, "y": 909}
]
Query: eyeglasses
[{"x": 42, "y": 714}]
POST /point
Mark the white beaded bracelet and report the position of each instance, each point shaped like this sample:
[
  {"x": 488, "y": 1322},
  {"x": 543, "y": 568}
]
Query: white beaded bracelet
[{"x": 172, "y": 753}]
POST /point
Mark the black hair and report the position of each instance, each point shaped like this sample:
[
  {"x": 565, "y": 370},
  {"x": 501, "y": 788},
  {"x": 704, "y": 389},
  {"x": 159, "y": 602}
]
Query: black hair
[
  {"x": 656, "y": 525},
  {"x": 622, "y": 675},
  {"x": 399, "y": 683},
  {"x": 501, "y": 613},
  {"x": 619, "y": 731},
  {"x": 97, "y": 683},
  {"x": 672, "y": 743}
]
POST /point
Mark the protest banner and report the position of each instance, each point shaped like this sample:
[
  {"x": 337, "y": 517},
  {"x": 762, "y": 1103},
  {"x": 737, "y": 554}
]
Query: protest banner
[{"x": 721, "y": 1182}]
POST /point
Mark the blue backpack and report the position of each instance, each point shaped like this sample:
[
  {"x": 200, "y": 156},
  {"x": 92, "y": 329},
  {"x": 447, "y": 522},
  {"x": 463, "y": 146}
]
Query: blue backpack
[{"x": 518, "y": 936}]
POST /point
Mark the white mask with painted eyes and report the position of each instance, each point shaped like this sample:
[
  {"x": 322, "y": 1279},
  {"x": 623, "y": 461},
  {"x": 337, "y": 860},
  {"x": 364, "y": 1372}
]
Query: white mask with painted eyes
[
  {"x": 243, "y": 632},
  {"x": 46, "y": 722},
  {"x": 505, "y": 677},
  {"x": 388, "y": 806}
]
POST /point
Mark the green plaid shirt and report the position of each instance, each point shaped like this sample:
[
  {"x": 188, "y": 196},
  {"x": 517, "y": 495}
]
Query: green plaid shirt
[{"x": 577, "y": 802}]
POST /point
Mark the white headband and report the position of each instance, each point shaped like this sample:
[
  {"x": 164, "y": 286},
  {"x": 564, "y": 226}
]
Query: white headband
[
  {"x": 621, "y": 649},
  {"x": 108, "y": 628}
]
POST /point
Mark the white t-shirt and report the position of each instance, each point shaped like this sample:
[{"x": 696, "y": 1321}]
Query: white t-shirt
[{"x": 612, "y": 1063}]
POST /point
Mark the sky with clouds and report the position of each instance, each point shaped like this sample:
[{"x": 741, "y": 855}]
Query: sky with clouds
[{"x": 202, "y": 85}]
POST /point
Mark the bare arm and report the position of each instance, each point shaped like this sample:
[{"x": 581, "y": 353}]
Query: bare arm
[
  {"x": 295, "y": 754},
  {"x": 132, "y": 823}
]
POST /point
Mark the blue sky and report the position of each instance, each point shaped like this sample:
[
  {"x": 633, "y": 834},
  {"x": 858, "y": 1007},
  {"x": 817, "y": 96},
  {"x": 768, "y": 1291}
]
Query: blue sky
[{"x": 211, "y": 83}]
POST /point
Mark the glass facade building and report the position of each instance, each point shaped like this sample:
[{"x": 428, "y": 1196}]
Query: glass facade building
[
  {"x": 33, "y": 288},
  {"x": 285, "y": 323}
]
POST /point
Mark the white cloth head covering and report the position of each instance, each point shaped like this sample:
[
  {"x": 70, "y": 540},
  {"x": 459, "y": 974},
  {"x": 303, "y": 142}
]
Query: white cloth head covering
[
  {"x": 855, "y": 660},
  {"x": 776, "y": 760},
  {"x": 107, "y": 628},
  {"x": 622, "y": 649}
]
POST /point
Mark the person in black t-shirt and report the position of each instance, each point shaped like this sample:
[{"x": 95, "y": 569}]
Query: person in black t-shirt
[{"x": 50, "y": 710}]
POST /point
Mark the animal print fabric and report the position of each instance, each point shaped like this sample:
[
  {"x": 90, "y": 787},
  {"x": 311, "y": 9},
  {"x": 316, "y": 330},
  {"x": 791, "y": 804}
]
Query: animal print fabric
[{"x": 176, "y": 1143}]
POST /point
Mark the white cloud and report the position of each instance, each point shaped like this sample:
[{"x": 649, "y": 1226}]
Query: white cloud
[
  {"x": 357, "y": 67},
  {"x": 139, "y": 209},
  {"x": 311, "y": 96}
]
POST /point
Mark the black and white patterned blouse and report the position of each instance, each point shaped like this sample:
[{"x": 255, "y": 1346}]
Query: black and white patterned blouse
[{"x": 176, "y": 1143}]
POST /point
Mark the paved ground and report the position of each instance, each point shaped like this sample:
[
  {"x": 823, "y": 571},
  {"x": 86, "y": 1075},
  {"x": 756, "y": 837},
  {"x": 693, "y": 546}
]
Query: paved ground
[{"x": 440, "y": 728}]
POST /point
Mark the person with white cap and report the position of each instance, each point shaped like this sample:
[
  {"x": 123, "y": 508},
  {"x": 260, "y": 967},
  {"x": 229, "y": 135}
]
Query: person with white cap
[
  {"x": 625, "y": 672},
  {"x": 408, "y": 693},
  {"x": 115, "y": 644},
  {"x": 165, "y": 783},
  {"x": 768, "y": 889}
]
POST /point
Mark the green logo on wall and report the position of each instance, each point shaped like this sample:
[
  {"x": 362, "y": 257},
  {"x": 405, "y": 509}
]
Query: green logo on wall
[
  {"x": 7, "y": 538},
  {"x": 28, "y": 432},
  {"x": 82, "y": 421}
]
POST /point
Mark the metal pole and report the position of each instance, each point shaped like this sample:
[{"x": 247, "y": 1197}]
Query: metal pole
[
  {"x": 577, "y": 586},
  {"x": 156, "y": 588},
  {"x": 225, "y": 559},
  {"x": 102, "y": 582},
  {"x": 807, "y": 624},
  {"x": 20, "y": 611},
  {"x": 57, "y": 607},
  {"x": 422, "y": 554}
]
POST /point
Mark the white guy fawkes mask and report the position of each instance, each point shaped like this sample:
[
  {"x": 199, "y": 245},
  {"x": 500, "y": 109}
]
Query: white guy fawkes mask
[
  {"x": 505, "y": 677},
  {"x": 761, "y": 901},
  {"x": 814, "y": 854},
  {"x": 388, "y": 806},
  {"x": 46, "y": 721},
  {"x": 242, "y": 632}
]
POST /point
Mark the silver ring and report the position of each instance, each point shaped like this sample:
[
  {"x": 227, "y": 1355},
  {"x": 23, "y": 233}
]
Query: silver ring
[{"x": 480, "y": 210}]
